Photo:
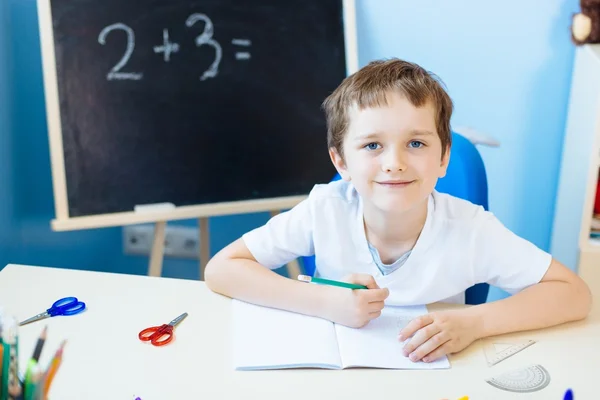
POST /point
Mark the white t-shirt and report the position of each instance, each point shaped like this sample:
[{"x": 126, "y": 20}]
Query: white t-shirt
[{"x": 460, "y": 245}]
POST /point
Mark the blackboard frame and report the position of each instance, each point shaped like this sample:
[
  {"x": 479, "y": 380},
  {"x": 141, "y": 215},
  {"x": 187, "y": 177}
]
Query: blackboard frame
[{"x": 63, "y": 221}]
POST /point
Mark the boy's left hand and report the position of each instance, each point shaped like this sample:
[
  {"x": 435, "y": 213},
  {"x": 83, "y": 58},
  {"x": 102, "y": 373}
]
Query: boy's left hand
[{"x": 439, "y": 333}]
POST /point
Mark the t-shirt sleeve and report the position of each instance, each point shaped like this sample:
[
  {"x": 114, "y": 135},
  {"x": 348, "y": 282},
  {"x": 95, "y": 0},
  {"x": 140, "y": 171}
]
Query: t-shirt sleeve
[
  {"x": 506, "y": 260},
  {"x": 284, "y": 237}
]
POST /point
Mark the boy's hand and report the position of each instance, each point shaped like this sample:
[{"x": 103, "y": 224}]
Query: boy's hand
[
  {"x": 356, "y": 307},
  {"x": 439, "y": 333}
]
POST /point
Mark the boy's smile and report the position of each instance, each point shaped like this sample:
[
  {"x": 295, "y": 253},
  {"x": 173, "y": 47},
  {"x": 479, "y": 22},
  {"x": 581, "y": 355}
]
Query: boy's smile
[
  {"x": 396, "y": 183},
  {"x": 392, "y": 154}
]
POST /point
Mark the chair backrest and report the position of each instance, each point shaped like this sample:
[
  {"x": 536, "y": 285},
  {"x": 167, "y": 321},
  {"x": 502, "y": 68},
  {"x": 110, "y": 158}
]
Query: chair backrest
[{"x": 465, "y": 178}]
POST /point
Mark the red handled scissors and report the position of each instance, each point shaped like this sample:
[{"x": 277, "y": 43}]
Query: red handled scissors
[{"x": 155, "y": 333}]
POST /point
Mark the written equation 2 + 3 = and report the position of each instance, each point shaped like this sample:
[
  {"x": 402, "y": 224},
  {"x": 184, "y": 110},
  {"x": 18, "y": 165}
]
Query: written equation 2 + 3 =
[{"x": 168, "y": 47}]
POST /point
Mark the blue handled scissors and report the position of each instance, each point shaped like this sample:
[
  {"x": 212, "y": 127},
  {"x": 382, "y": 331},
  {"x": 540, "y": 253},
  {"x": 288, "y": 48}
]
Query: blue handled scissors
[{"x": 64, "y": 306}]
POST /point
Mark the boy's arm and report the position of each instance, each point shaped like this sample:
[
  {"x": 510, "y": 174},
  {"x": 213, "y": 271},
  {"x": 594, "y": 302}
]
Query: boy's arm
[
  {"x": 234, "y": 272},
  {"x": 561, "y": 296},
  {"x": 544, "y": 293},
  {"x": 244, "y": 269}
]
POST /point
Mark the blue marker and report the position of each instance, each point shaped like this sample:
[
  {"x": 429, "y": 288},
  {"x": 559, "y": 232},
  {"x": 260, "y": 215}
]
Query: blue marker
[{"x": 568, "y": 395}]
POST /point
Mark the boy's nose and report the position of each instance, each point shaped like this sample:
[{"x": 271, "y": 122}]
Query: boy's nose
[{"x": 394, "y": 161}]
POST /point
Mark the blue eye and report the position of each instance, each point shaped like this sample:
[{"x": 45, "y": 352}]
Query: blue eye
[
  {"x": 372, "y": 146},
  {"x": 415, "y": 144}
]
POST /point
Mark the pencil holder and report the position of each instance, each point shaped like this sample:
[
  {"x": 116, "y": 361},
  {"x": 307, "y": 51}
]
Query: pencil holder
[
  {"x": 37, "y": 380},
  {"x": 10, "y": 385}
]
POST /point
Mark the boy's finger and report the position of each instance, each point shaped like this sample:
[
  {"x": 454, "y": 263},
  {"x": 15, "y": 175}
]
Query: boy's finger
[
  {"x": 429, "y": 345},
  {"x": 363, "y": 279},
  {"x": 414, "y": 325},
  {"x": 439, "y": 352},
  {"x": 374, "y": 295},
  {"x": 376, "y": 306},
  {"x": 420, "y": 339}
]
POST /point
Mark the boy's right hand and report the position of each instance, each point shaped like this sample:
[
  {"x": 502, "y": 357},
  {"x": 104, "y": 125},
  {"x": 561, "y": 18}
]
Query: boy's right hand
[{"x": 356, "y": 307}]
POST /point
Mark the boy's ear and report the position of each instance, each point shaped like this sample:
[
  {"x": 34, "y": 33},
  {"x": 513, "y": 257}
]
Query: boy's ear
[
  {"x": 339, "y": 164},
  {"x": 444, "y": 163}
]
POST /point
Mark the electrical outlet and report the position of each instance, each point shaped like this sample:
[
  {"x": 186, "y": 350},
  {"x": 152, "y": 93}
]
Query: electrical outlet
[{"x": 180, "y": 241}]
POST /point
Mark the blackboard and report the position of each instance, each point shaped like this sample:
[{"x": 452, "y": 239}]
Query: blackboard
[{"x": 191, "y": 102}]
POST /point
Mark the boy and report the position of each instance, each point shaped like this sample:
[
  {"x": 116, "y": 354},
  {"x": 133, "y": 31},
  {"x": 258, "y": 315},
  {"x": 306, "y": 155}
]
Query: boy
[{"x": 384, "y": 226}]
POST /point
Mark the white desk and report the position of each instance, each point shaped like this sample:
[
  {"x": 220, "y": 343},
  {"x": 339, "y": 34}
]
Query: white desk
[{"x": 105, "y": 360}]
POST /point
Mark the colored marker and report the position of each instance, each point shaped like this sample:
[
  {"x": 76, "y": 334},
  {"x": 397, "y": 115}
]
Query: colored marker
[
  {"x": 3, "y": 374},
  {"x": 321, "y": 281},
  {"x": 32, "y": 366},
  {"x": 568, "y": 395},
  {"x": 1, "y": 366},
  {"x": 34, "y": 373}
]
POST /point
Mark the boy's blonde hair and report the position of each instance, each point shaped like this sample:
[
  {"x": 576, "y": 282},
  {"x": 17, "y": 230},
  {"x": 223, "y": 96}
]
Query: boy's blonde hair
[{"x": 368, "y": 88}]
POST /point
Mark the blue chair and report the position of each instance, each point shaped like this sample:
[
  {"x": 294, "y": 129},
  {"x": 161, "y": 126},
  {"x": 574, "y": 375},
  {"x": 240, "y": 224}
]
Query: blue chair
[{"x": 465, "y": 178}]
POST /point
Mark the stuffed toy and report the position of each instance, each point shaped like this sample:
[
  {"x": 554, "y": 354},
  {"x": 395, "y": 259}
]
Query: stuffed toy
[{"x": 585, "y": 26}]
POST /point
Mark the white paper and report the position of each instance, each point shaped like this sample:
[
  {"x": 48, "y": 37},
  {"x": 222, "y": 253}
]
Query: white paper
[
  {"x": 267, "y": 338},
  {"x": 376, "y": 345}
]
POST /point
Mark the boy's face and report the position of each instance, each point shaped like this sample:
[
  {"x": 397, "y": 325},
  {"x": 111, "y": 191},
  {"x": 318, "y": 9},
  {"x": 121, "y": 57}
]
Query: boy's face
[{"x": 392, "y": 154}]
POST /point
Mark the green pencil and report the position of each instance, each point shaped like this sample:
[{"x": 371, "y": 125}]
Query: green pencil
[{"x": 306, "y": 278}]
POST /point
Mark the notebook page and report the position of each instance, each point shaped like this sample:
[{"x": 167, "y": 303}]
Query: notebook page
[
  {"x": 267, "y": 338},
  {"x": 377, "y": 346}
]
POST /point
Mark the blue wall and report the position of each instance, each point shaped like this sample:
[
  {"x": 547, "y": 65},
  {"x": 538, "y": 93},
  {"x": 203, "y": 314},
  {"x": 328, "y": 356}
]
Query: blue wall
[
  {"x": 6, "y": 215},
  {"x": 507, "y": 66}
]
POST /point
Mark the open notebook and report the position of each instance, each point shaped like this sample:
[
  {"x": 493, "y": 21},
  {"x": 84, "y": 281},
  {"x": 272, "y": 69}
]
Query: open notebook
[{"x": 267, "y": 338}]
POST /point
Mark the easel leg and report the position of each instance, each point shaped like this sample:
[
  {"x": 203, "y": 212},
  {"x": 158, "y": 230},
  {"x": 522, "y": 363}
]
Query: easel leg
[
  {"x": 204, "y": 245},
  {"x": 293, "y": 267},
  {"x": 158, "y": 247}
]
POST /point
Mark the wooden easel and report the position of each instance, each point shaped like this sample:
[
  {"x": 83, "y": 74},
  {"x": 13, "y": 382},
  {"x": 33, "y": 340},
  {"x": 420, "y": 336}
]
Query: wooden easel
[{"x": 158, "y": 248}]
